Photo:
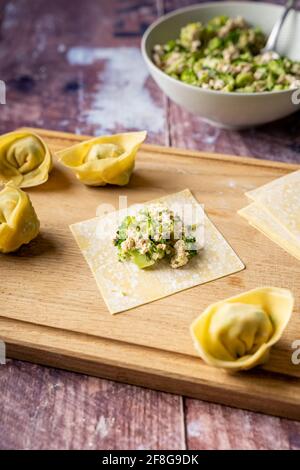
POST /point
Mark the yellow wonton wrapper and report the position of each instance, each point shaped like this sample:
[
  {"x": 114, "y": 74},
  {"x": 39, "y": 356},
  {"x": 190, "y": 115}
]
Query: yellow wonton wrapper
[
  {"x": 25, "y": 160},
  {"x": 237, "y": 333},
  {"x": 104, "y": 160},
  {"x": 18, "y": 221},
  {"x": 124, "y": 286}
]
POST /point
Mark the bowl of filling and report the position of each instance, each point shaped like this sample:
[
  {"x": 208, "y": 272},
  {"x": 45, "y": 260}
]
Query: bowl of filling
[{"x": 208, "y": 59}]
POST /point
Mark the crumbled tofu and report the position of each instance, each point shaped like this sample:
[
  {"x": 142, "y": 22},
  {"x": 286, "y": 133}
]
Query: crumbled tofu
[
  {"x": 232, "y": 24},
  {"x": 231, "y": 53}
]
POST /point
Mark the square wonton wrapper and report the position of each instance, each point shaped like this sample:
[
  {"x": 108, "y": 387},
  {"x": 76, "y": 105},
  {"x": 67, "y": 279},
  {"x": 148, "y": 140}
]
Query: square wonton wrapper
[
  {"x": 281, "y": 198},
  {"x": 263, "y": 221},
  {"x": 124, "y": 286}
]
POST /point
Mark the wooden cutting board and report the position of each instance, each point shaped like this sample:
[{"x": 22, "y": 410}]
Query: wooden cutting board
[{"x": 52, "y": 312}]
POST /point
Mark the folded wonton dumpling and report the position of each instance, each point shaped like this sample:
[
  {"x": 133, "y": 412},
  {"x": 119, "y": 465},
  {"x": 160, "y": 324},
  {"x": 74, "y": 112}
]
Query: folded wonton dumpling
[
  {"x": 25, "y": 159},
  {"x": 237, "y": 333},
  {"x": 104, "y": 160},
  {"x": 18, "y": 221}
]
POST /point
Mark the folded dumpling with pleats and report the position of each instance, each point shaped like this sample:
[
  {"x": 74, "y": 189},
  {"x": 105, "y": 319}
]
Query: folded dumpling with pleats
[
  {"x": 238, "y": 333},
  {"x": 25, "y": 159},
  {"x": 104, "y": 160},
  {"x": 18, "y": 221}
]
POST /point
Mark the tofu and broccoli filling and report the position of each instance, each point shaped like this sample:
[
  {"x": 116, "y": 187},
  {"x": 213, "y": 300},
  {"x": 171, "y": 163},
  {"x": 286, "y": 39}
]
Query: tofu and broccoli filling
[
  {"x": 154, "y": 233},
  {"x": 224, "y": 54}
]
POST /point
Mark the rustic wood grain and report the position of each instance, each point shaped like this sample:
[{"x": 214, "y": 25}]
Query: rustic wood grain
[
  {"x": 138, "y": 348},
  {"x": 44, "y": 91}
]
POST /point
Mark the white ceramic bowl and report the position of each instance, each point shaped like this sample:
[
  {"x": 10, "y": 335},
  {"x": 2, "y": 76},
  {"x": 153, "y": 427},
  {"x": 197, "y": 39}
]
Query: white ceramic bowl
[{"x": 224, "y": 109}]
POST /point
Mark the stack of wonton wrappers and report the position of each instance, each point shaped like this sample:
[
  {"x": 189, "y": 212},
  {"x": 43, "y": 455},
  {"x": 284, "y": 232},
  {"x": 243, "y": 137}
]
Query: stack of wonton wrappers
[{"x": 275, "y": 211}]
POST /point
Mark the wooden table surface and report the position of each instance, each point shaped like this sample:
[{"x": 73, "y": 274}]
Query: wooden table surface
[{"x": 76, "y": 66}]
